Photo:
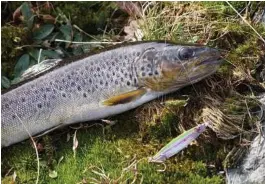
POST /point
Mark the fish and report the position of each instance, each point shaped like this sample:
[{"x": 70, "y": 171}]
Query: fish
[
  {"x": 103, "y": 84},
  {"x": 179, "y": 143}
]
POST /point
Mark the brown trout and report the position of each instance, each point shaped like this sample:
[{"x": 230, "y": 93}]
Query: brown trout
[{"x": 100, "y": 85}]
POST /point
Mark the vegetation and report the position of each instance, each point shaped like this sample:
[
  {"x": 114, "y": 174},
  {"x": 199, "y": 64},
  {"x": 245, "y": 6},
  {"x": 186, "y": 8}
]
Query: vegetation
[{"x": 118, "y": 153}]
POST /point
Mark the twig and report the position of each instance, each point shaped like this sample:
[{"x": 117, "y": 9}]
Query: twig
[
  {"x": 79, "y": 29},
  {"x": 39, "y": 56},
  {"x": 75, "y": 143},
  {"x": 21, "y": 47},
  {"x": 9, "y": 171},
  {"x": 248, "y": 109},
  {"x": 67, "y": 41}
]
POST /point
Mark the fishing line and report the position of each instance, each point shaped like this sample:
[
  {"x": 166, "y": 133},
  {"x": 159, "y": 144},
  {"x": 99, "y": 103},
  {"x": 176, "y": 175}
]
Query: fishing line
[{"x": 186, "y": 73}]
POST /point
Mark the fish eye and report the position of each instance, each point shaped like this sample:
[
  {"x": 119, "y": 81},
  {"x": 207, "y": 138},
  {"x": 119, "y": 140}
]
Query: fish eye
[{"x": 185, "y": 53}]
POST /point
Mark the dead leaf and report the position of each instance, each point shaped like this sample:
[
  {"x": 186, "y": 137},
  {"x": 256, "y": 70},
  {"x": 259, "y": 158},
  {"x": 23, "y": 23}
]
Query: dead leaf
[
  {"x": 53, "y": 174},
  {"x": 109, "y": 122},
  {"x": 84, "y": 181},
  {"x": 48, "y": 19},
  {"x": 17, "y": 14},
  {"x": 75, "y": 143},
  {"x": 40, "y": 147},
  {"x": 60, "y": 160},
  {"x": 133, "y": 31},
  {"x": 48, "y": 6},
  {"x": 68, "y": 137},
  {"x": 14, "y": 176}
]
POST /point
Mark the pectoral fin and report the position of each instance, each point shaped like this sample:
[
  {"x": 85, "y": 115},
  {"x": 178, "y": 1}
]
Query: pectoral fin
[{"x": 125, "y": 97}]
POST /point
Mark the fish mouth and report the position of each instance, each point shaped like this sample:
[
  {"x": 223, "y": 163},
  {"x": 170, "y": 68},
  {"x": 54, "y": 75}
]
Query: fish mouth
[
  {"x": 211, "y": 66},
  {"x": 217, "y": 60}
]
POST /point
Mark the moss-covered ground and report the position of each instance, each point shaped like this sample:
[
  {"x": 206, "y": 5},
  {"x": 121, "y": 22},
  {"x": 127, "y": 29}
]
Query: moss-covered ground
[{"x": 119, "y": 153}]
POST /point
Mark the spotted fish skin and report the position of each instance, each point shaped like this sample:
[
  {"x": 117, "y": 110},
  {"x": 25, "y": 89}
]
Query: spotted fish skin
[{"x": 76, "y": 92}]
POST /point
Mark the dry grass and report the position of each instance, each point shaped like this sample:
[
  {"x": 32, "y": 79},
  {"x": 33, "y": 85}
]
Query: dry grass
[
  {"x": 216, "y": 99},
  {"x": 128, "y": 174}
]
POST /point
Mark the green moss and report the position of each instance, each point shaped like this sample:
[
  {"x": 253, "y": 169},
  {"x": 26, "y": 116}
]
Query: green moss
[
  {"x": 176, "y": 103},
  {"x": 95, "y": 152},
  {"x": 11, "y": 37},
  {"x": 92, "y": 17},
  {"x": 163, "y": 129},
  {"x": 249, "y": 47}
]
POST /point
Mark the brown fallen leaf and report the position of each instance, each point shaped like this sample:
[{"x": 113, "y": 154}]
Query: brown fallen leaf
[
  {"x": 17, "y": 14},
  {"x": 48, "y": 19},
  {"x": 48, "y": 6},
  {"x": 75, "y": 143},
  {"x": 133, "y": 31}
]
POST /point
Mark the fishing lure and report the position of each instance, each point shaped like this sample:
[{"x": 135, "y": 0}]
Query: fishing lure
[{"x": 178, "y": 143}]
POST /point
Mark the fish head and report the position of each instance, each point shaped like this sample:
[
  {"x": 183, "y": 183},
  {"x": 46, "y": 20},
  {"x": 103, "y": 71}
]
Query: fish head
[{"x": 171, "y": 66}]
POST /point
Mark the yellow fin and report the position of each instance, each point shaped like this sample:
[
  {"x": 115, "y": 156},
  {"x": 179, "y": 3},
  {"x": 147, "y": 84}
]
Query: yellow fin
[{"x": 125, "y": 97}]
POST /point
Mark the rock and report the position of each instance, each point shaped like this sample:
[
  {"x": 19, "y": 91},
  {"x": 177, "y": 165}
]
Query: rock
[{"x": 252, "y": 169}]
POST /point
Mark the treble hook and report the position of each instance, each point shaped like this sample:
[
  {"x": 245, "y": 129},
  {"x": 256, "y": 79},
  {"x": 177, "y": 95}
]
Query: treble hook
[{"x": 162, "y": 170}]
